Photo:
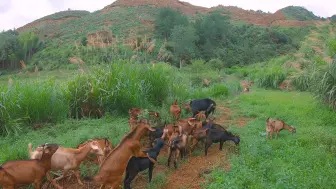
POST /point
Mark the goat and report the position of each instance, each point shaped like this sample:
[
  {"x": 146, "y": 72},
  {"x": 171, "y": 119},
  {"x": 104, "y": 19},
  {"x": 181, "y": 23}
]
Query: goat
[
  {"x": 136, "y": 165},
  {"x": 186, "y": 127},
  {"x": 206, "y": 105},
  {"x": 112, "y": 169},
  {"x": 187, "y": 107},
  {"x": 273, "y": 125},
  {"x": 177, "y": 145},
  {"x": 104, "y": 144},
  {"x": 67, "y": 159},
  {"x": 135, "y": 112},
  {"x": 175, "y": 110},
  {"x": 215, "y": 136},
  {"x": 211, "y": 125},
  {"x": 27, "y": 171},
  {"x": 200, "y": 116},
  {"x": 199, "y": 134}
]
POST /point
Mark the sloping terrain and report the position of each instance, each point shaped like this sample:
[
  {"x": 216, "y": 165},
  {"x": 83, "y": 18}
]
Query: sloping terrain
[{"x": 129, "y": 17}]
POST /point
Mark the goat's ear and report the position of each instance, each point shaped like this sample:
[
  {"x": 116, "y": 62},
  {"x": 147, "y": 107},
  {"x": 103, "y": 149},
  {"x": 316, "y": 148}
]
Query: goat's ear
[{"x": 46, "y": 150}]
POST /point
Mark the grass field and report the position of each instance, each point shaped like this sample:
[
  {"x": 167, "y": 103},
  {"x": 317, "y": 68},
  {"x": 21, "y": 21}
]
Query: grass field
[{"x": 305, "y": 160}]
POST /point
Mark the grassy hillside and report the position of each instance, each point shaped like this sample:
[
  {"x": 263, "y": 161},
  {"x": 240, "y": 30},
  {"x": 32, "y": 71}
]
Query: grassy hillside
[{"x": 299, "y": 13}]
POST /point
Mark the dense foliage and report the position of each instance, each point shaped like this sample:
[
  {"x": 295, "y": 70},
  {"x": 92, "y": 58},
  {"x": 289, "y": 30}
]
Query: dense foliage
[
  {"x": 299, "y": 13},
  {"x": 237, "y": 44},
  {"x": 15, "y": 47}
]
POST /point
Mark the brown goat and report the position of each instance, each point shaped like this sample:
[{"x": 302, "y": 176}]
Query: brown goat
[
  {"x": 67, "y": 159},
  {"x": 199, "y": 134},
  {"x": 135, "y": 112},
  {"x": 200, "y": 116},
  {"x": 104, "y": 144},
  {"x": 168, "y": 130},
  {"x": 27, "y": 171},
  {"x": 112, "y": 169},
  {"x": 175, "y": 110},
  {"x": 186, "y": 127},
  {"x": 177, "y": 145},
  {"x": 187, "y": 107},
  {"x": 273, "y": 125}
]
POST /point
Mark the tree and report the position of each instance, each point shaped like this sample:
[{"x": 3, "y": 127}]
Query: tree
[
  {"x": 29, "y": 43},
  {"x": 8, "y": 49},
  {"x": 166, "y": 20},
  {"x": 213, "y": 32},
  {"x": 184, "y": 38}
]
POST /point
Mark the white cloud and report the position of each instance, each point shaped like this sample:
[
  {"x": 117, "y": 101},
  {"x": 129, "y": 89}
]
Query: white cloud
[{"x": 15, "y": 13}]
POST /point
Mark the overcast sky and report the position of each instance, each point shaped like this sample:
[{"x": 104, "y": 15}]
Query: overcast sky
[{"x": 15, "y": 13}]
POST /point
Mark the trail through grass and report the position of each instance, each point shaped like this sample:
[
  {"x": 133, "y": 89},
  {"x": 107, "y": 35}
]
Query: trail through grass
[{"x": 305, "y": 160}]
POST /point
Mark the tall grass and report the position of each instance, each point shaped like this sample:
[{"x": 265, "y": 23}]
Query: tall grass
[
  {"x": 113, "y": 88},
  {"x": 31, "y": 103},
  {"x": 325, "y": 85},
  {"x": 270, "y": 77}
]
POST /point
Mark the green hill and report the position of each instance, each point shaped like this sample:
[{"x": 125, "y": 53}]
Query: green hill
[{"x": 299, "y": 13}]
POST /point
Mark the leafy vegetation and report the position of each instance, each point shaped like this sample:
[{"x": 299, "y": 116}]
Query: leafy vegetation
[{"x": 299, "y": 13}]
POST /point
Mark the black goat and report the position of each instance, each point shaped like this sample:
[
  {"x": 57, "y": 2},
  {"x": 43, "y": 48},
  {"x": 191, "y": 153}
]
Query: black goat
[
  {"x": 136, "y": 165},
  {"x": 215, "y": 136},
  {"x": 206, "y": 105},
  {"x": 212, "y": 125}
]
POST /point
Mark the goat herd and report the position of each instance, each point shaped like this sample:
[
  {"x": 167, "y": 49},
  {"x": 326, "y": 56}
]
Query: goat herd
[{"x": 127, "y": 156}]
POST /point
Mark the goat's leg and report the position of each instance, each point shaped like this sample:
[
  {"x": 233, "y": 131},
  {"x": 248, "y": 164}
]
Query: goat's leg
[
  {"x": 192, "y": 147},
  {"x": 77, "y": 174},
  {"x": 266, "y": 135},
  {"x": 169, "y": 156},
  {"x": 53, "y": 181},
  {"x": 128, "y": 180},
  {"x": 207, "y": 145},
  {"x": 221, "y": 145},
  {"x": 150, "y": 172},
  {"x": 271, "y": 135},
  {"x": 276, "y": 134},
  {"x": 37, "y": 185},
  {"x": 177, "y": 154}
]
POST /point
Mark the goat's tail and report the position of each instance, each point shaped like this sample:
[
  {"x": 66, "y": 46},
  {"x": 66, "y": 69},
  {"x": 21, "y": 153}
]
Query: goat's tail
[{"x": 267, "y": 119}]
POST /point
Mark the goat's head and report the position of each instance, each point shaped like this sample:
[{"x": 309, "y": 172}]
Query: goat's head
[
  {"x": 145, "y": 123},
  {"x": 293, "y": 130},
  {"x": 200, "y": 116},
  {"x": 95, "y": 148},
  {"x": 49, "y": 149}
]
